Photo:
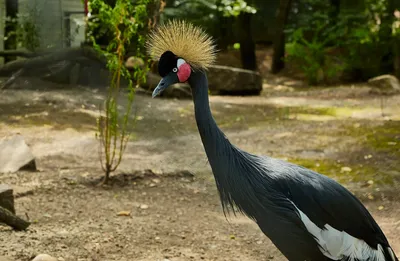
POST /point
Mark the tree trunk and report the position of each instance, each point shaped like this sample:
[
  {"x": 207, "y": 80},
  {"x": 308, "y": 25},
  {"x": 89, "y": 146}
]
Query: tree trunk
[
  {"x": 154, "y": 10},
  {"x": 8, "y": 218},
  {"x": 387, "y": 61},
  {"x": 11, "y": 28},
  {"x": 279, "y": 42},
  {"x": 2, "y": 21},
  {"x": 396, "y": 56},
  {"x": 393, "y": 5},
  {"x": 224, "y": 29},
  {"x": 335, "y": 11},
  {"x": 247, "y": 45}
]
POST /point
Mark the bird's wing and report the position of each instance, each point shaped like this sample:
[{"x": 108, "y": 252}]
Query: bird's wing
[{"x": 341, "y": 225}]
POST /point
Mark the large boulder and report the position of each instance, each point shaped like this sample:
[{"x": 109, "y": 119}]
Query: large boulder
[
  {"x": 179, "y": 90},
  {"x": 235, "y": 81},
  {"x": 221, "y": 80},
  {"x": 15, "y": 155},
  {"x": 385, "y": 83}
]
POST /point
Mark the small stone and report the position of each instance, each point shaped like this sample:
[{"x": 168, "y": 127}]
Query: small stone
[
  {"x": 156, "y": 181},
  {"x": 144, "y": 206},
  {"x": 133, "y": 62},
  {"x": 381, "y": 207},
  {"x": 44, "y": 257},
  {"x": 345, "y": 169},
  {"x": 368, "y": 156},
  {"x": 124, "y": 213}
]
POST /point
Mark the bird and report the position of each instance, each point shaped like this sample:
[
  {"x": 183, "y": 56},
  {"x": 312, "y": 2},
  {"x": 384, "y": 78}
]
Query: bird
[{"x": 307, "y": 215}]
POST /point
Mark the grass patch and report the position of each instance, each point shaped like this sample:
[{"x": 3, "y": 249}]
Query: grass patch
[
  {"x": 384, "y": 138},
  {"x": 345, "y": 173}
]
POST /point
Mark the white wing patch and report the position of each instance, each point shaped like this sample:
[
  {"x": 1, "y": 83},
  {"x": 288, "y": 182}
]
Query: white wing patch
[
  {"x": 338, "y": 245},
  {"x": 391, "y": 254}
]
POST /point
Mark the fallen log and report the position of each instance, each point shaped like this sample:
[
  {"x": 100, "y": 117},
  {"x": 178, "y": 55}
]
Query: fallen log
[
  {"x": 18, "y": 53},
  {"x": 8, "y": 218},
  {"x": 43, "y": 61},
  {"x": 7, "y": 197}
]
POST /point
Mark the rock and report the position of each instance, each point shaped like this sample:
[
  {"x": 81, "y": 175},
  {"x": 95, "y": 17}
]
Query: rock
[
  {"x": 44, "y": 257},
  {"x": 230, "y": 80},
  {"x": 15, "y": 155},
  {"x": 152, "y": 80},
  {"x": 385, "y": 82},
  {"x": 7, "y": 198},
  {"x": 144, "y": 206},
  {"x": 221, "y": 80},
  {"x": 133, "y": 62},
  {"x": 179, "y": 90}
]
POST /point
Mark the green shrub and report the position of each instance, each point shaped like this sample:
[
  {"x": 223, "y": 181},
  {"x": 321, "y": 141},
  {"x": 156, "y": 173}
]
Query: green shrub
[
  {"x": 310, "y": 56},
  {"x": 126, "y": 21},
  {"x": 352, "y": 45}
]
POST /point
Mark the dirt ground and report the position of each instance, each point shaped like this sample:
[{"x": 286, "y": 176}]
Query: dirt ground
[{"x": 165, "y": 182}]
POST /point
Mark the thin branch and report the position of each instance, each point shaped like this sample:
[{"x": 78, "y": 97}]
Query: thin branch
[{"x": 12, "y": 79}]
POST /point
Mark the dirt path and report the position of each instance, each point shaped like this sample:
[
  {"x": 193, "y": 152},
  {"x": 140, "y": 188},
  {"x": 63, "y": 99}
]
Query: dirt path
[{"x": 177, "y": 216}]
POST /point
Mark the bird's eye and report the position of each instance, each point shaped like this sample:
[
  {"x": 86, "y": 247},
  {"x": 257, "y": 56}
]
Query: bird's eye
[{"x": 175, "y": 70}]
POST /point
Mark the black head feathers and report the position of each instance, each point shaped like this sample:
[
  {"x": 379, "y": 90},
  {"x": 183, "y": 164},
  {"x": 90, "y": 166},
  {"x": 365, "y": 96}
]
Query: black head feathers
[{"x": 167, "y": 62}]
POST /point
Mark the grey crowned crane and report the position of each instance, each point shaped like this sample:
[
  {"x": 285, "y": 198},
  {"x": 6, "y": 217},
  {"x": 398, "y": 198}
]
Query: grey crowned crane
[{"x": 307, "y": 216}]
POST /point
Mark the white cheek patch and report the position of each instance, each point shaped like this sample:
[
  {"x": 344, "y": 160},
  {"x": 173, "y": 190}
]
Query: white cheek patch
[{"x": 180, "y": 62}]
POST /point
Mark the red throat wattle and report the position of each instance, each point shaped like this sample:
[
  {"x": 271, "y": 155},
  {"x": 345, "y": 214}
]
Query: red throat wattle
[{"x": 184, "y": 72}]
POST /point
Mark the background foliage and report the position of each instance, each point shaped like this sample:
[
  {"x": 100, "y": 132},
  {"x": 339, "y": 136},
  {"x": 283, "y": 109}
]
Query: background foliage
[
  {"x": 346, "y": 42},
  {"x": 327, "y": 40}
]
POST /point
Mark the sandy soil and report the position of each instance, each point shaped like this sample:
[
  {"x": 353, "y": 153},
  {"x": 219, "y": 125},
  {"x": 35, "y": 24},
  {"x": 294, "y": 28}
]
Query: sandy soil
[{"x": 164, "y": 181}]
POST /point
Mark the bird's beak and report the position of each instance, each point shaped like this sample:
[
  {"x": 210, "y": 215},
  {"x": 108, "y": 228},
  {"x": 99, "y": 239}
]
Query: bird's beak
[{"x": 168, "y": 80}]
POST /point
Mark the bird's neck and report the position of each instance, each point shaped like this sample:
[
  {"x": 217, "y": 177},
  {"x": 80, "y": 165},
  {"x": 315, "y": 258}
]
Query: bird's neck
[
  {"x": 214, "y": 141},
  {"x": 229, "y": 164}
]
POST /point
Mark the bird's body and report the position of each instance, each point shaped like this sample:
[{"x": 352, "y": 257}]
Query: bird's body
[
  {"x": 279, "y": 196},
  {"x": 308, "y": 216}
]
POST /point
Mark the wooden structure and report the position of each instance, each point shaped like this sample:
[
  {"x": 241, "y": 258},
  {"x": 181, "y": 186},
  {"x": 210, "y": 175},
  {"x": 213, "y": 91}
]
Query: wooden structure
[{"x": 60, "y": 23}]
